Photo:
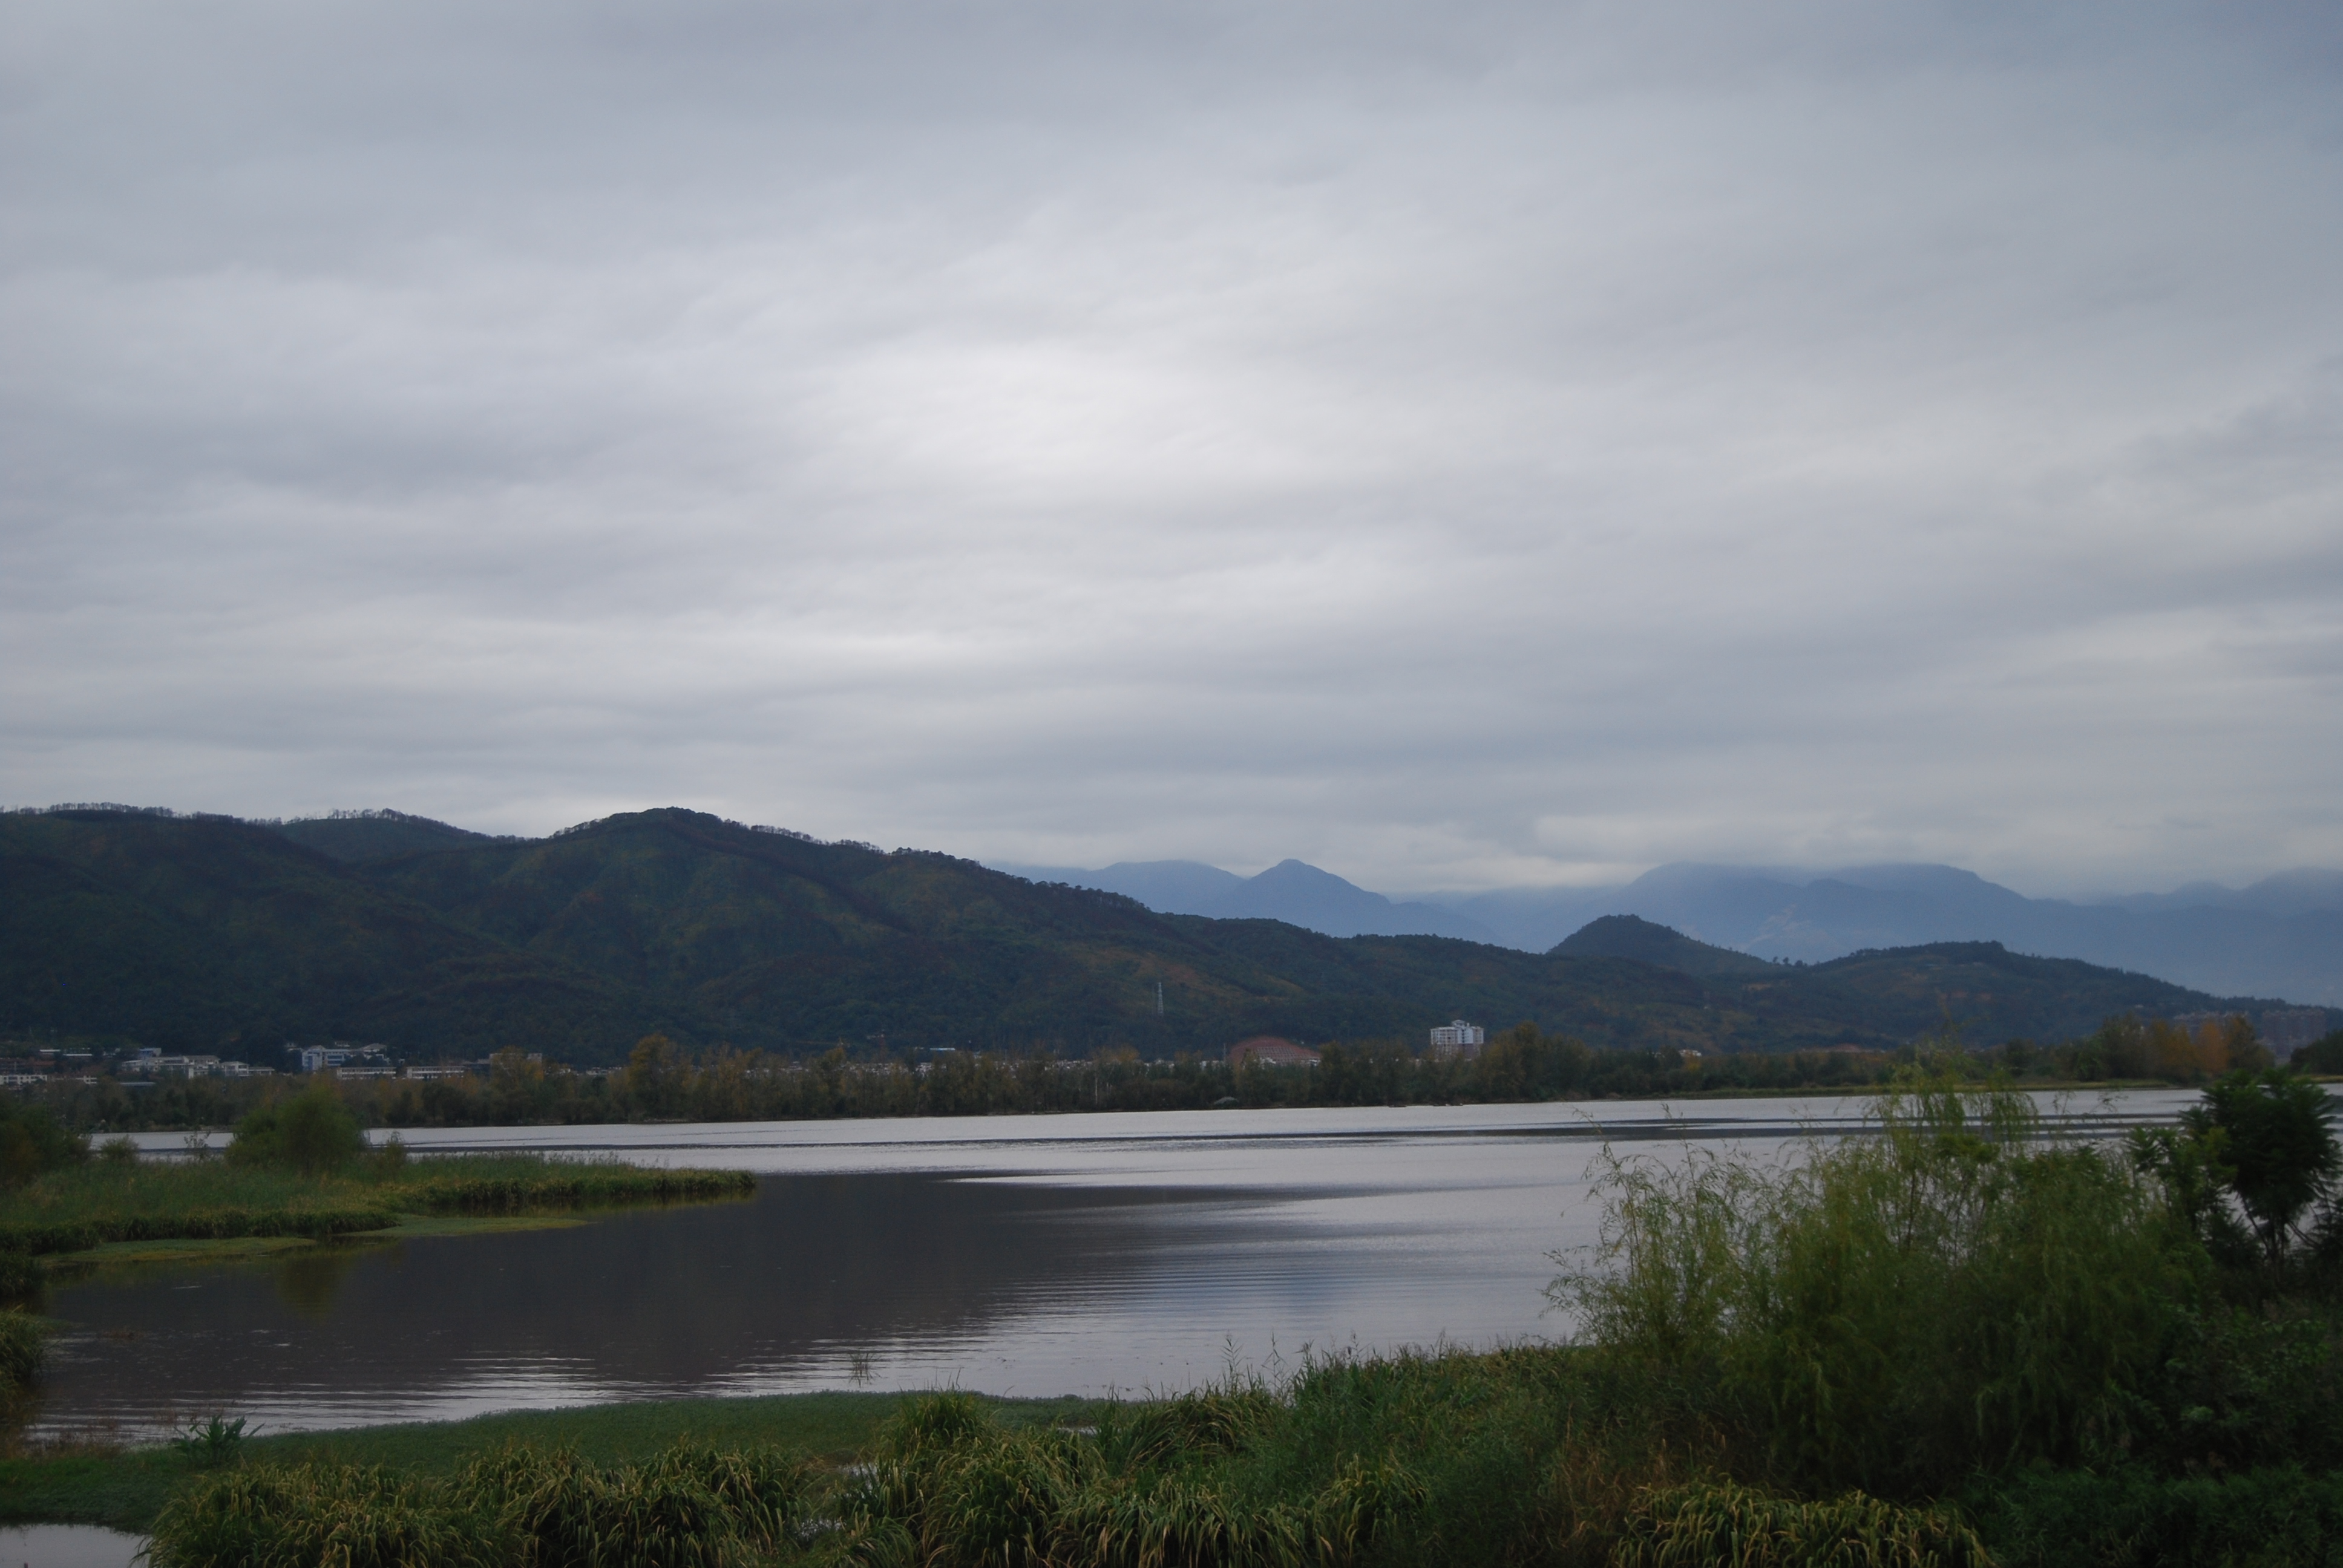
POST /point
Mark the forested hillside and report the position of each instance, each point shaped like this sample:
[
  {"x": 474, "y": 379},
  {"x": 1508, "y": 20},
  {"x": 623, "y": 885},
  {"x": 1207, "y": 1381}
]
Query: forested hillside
[{"x": 214, "y": 935}]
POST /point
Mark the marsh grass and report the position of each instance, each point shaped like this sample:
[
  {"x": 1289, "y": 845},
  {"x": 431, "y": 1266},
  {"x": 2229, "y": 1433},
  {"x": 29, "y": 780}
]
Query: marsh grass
[
  {"x": 1439, "y": 1458},
  {"x": 690, "y": 1507},
  {"x": 349, "y": 1516},
  {"x": 1717, "y": 1523}
]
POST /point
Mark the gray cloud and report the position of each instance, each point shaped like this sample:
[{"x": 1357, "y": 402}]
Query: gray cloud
[{"x": 1459, "y": 445}]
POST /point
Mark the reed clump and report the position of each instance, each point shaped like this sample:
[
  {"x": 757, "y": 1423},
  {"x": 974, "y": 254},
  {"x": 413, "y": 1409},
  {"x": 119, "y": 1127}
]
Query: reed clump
[
  {"x": 301, "y": 1517},
  {"x": 1718, "y": 1523},
  {"x": 689, "y": 1507}
]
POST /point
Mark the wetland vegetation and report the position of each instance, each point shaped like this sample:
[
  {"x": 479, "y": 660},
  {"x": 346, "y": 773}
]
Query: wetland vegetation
[
  {"x": 1962, "y": 1340},
  {"x": 297, "y": 1172}
]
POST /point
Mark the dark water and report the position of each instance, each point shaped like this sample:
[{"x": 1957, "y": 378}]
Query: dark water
[{"x": 1012, "y": 1255}]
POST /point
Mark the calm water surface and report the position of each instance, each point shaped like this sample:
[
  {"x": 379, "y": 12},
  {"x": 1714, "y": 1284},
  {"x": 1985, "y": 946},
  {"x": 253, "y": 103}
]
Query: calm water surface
[{"x": 1021, "y": 1255}]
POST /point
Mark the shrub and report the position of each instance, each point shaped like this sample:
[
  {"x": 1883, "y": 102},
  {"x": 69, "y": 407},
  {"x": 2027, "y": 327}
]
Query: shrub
[
  {"x": 2322, "y": 1055},
  {"x": 32, "y": 1140},
  {"x": 387, "y": 1163},
  {"x": 20, "y": 1274},
  {"x": 2277, "y": 1517}
]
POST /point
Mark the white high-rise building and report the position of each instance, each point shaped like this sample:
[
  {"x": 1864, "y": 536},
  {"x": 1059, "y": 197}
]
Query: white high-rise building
[{"x": 1457, "y": 1038}]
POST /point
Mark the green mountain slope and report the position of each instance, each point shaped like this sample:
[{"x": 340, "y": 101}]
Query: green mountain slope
[
  {"x": 212, "y": 934},
  {"x": 1633, "y": 937},
  {"x": 378, "y": 835}
]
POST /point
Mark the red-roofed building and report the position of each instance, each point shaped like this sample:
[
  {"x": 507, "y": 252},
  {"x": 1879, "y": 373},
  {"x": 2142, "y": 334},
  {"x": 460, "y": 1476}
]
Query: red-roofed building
[{"x": 1273, "y": 1049}]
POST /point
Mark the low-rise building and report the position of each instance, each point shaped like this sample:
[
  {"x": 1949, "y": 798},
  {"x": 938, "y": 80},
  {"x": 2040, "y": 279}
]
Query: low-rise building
[{"x": 152, "y": 1063}]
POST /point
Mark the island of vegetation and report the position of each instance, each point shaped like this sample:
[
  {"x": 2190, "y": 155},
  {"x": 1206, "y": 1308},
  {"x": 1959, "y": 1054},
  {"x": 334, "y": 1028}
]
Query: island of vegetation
[
  {"x": 1965, "y": 1338},
  {"x": 298, "y": 1173}
]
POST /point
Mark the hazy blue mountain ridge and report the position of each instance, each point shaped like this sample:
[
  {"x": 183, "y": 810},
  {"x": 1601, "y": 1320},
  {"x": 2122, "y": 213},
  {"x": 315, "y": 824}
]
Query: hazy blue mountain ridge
[
  {"x": 1293, "y": 892},
  {"x": 2274, "y": 939},
  {"x": 2282, "y": 936}
]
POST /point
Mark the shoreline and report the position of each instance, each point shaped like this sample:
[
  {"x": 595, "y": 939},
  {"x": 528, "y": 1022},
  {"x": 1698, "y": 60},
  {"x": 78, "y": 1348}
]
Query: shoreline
[{"x": 379, "y": 1135}]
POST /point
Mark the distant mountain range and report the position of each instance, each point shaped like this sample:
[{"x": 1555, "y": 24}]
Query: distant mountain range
[
  {"x": 208, "y": 934},
  {"x": 2283, "y": 935},
  {"x": 1292, "y": 890}
]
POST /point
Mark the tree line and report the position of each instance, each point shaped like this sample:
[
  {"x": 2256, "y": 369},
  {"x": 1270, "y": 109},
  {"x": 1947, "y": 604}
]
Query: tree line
[{"x": 663, "y": 1081}]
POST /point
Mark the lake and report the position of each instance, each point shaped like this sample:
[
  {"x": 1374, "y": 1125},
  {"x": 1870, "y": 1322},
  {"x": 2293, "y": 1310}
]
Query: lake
[{"x": 1012, "y": 1255}]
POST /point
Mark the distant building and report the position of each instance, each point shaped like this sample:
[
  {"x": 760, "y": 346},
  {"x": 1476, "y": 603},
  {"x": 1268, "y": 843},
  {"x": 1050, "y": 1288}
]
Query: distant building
[
  {"x": 1271, "y": 1049},
  {"x": 1457, "y": 1039},
  {"x": 153, "y": 1064},
  {"x": 341, "y": 1053},
  {"x": 2287, "y": 1029}
]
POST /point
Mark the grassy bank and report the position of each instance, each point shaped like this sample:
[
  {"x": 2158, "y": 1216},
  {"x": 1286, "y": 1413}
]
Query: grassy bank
[
  {"x": 1528, "y": 1456},
  {"x": 130, "y": 1210}
]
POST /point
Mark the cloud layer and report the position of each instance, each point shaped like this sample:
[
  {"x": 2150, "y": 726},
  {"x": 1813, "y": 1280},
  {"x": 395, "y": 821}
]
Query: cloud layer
[{"x": 1458, "y": 446}]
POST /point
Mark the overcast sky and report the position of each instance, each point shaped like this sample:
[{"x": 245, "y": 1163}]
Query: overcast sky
[{"x": 1459, "y": 444}]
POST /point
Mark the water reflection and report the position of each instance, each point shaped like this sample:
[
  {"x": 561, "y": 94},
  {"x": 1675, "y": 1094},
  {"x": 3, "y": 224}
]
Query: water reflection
[
  {"x": 1022, "y": 1255},
  {"x": 309, "y": 1281}
]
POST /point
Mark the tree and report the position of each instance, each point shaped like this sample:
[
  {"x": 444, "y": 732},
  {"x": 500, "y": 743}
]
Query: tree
[
  {"x": 2280, "y": 1148},
  {"x": 32, "y": 1140},
  {"x": 652, "y": 1068},
  {"x": 2252, "y": 1167},
  {"x": 313, "y": 1132},
  {"x": 2324, "y": 1054}
]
